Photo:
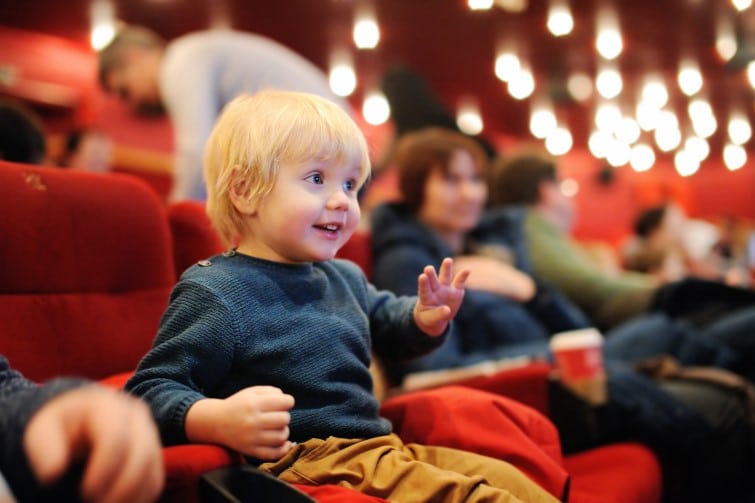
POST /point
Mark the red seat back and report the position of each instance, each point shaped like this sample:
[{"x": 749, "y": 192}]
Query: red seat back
[
  {"x": 85, "y": 271},
  {"x": 194, "y": 238}
]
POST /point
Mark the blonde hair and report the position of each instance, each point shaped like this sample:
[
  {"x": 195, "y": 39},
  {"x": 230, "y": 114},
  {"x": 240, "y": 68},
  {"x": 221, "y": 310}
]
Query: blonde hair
[{"x": 255, "y": 133}]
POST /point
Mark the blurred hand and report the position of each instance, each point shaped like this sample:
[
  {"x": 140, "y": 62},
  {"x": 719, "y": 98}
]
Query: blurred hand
[{"x": 112, "y": 433}]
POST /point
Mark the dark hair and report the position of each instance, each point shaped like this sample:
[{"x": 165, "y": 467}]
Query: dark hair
[
  {"x": 420, "y": 152},
  {"x": 516, "y": 180},
  {"x": 414, "y": 105},
  {"x": 649, "y": 220},
  {"x": 22, "y": 137}
]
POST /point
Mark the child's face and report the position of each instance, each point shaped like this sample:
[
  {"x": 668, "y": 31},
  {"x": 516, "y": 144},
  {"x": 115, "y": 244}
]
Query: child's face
[{"x": 308, "y": 216}]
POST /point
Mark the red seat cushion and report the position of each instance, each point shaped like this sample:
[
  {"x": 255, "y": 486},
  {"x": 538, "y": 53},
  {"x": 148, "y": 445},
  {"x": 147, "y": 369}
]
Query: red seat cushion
[
  {"x": 619, "y": 473},
  {"x": 485, "y": 423}
]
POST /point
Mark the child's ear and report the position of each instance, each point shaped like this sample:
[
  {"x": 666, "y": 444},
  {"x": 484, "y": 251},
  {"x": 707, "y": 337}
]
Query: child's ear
[{"x": 240, "y": 194}]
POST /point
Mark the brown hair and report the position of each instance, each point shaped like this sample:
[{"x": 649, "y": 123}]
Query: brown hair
[
  {"x": 420, "y": 152},
  {"x": 516, "y": 180}
]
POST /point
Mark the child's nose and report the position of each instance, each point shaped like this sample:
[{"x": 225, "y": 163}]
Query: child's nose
[{"x": 338, "y": 200}]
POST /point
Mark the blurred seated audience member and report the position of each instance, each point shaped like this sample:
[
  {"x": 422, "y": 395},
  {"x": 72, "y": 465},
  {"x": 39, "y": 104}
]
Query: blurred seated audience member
[
  {"x": 669, "y": 244},
  {"x": 414, "y": 105},
  {"x": 508, "y": 313},
  {"x": 530, "y": 181},
  {"x": 73, "y": 440},
  {"x": 86, "y": 150},
  {"x": 193, "y": 77},
  {"x": 22, "y": 135}
]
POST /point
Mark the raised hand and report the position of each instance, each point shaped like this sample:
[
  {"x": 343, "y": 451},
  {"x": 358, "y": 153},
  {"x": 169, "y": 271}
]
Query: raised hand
[{"x": 439, "y": 297}]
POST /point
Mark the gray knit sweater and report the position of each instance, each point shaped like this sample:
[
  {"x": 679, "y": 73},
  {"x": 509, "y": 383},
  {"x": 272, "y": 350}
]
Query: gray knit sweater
[{"x": 309, "y": 329}]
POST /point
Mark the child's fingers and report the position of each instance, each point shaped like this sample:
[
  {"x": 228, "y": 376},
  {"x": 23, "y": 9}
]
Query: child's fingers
[
  {"x": 446, "y": 271},
  {"x": 437, "y": 315},
  {"x": 432, "y": 277},
  {"x": 460, "y": 279}
]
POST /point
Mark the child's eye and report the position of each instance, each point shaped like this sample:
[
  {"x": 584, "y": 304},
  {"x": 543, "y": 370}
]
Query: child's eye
[
  {"x": 350, "y": 185},
  {"x": 315, "y": 178}
]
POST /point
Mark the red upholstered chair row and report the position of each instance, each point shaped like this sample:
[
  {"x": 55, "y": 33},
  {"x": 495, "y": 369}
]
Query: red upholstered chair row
[
  {"x": 86, "y": 268},
  {"x": 459, "y": 417}
]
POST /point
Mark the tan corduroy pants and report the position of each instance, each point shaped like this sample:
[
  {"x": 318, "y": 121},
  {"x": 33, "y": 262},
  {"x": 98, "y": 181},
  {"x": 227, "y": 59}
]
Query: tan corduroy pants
[{"x": 406, "y": 473}]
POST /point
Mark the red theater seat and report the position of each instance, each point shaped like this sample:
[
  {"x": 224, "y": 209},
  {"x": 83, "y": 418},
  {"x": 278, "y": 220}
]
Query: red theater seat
[{"x": 86, "y": 268}]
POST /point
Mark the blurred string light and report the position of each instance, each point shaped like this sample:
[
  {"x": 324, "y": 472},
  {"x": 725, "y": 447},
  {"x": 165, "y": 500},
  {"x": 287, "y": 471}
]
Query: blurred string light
[
  {"x": 480, "y": 4},
  {"x": 647, "y": 115},
  {"x": 726, "y": 41},
  {"x": 609, "y": 82},
  {"x": 701, "y": 115},
  {"x": 542, "y": 119},
  {"x": 607, "y": 116},
  {"x": 366, "y": 30},
  {"x": 468, "y": 117},
  {"x": 667, "y": 134},
  {"x": 522, "y": 84},
  {"x": 559, "y": 141},
  {"x": 617, "y": 137},
  {"x": 579, "y": 85},
  {"x": 618, "y": 153},
  {"x": 598, "y": 143},
  {"x": 698, "y": 147},
  {"x": 741, "y": 5},
  {"x": 739, "y": 129},
  {"x": 627, "y": 130},
  {"x": 342, "y": 77},
  {"x": 689, "y": 77},
  {"x": 685, "y": 163},
  {"x": 654, "y": 91},
  {"x": 735, "y": 156},
  {"x": 512, "y": 5},
  {"x": 560, "y": 21},
  {"x": 608, "y": 41},
  {"x": 641, "y": 157},
  {"x": 507, "y": 65},
  {"x": 102, "y": 16},
  {"x": 375, "y": 109}
]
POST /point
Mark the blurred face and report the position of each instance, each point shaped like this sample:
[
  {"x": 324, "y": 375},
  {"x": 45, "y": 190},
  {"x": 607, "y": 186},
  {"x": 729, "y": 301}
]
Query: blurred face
[
  {"x": 454, "y": 201},
  {"x": 93, "y": 154},
  {"x": 135, "y": 79},
  {"x": 308, "y": 216},
  {"x": 557, "y": 204}
]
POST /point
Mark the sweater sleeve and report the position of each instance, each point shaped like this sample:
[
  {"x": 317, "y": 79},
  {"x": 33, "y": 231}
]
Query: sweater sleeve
[
  {"x": 192, "y": 353},
  {"x": 606, "y": 299},
  {"x": 20, "y": 399}
]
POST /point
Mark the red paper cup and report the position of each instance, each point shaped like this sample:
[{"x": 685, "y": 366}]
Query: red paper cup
[{"x": 578, "y": 355}]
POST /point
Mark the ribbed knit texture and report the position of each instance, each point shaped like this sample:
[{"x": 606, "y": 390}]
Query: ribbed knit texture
[{"x": 308, "y": 329}]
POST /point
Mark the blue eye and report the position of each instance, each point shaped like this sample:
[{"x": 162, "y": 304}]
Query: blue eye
[
  {"x": 315, "y": 178},
  {"x": 350, "y": 185}
]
